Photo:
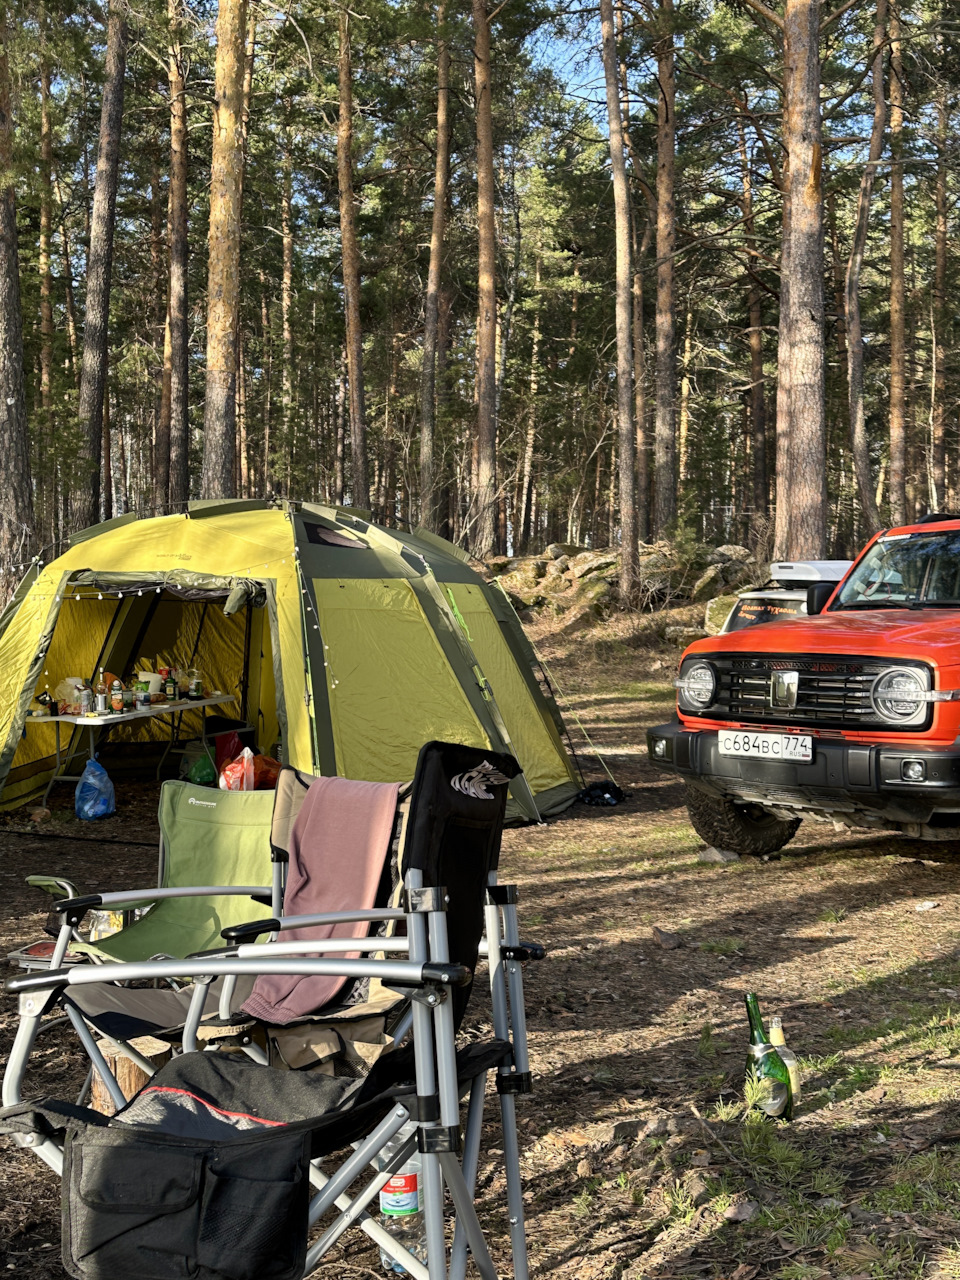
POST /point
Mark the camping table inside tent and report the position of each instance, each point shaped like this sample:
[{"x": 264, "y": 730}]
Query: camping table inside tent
[{"x": 94, "y": 722}]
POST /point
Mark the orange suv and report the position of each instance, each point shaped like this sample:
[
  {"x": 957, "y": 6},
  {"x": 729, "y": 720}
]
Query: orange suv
[{"x": 850, "y": 715}]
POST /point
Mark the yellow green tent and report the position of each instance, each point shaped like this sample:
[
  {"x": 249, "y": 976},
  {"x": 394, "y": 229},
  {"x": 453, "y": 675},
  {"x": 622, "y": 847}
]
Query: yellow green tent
[{"x": 348, "y": 644}]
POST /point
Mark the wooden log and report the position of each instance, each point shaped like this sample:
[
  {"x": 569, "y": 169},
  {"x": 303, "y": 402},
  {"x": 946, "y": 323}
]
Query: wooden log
[{"x": 129, "y": 1076}]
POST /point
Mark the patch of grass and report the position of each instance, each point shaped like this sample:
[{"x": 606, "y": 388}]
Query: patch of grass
[
  {"x": 833, "y": 915},
  {"x": 583, "y": 1203},
  {"x": 808, "y": 1226},
  {"x": 721, "y": 1191},
  {"x": 927, "y": 1182},
  {"x": 724, "y": 1112},
  {"x": 800, "y": 1271},
  {"x": 774, "y": 1157},
  {"x": 850, "y": 1078},
  {"x": 723, "y": 947},
  {"x": 947, "y": 1262},
  {"x": 679, "y": 1202},
  {"x": 826, "y": 1181},
  {"x": 706, "y": 1046}
]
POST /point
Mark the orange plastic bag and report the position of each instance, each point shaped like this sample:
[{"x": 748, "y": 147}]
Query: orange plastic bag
[
  {"x": 266, "y": 770},
  {"x": 250, "y": 773}
]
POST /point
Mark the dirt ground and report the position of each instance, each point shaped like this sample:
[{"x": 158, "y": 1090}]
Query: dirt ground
[{"x": 638, "y": 1158}]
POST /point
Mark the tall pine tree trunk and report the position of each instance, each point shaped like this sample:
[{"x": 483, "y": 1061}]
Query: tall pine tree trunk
[
  {"x": 85, "y": 507},
  {"x": 286, "y": 291},
  {"x": 16, "y": 498},
  {"x": 665, "y": 425},
  {"x": 858, "y": 431},
  {"x": 639, "y": 388},
  {"x": 66, "y": 266},
  {"x": 350, "y": 254},
  {"x": 938, "y": 445},
  {"x": 223, "y": 270},
  {"x": 626, "y": 444},
  {"x": 898, "y": 348},
  {"x": 757, "y": 397},
  {"x": 801, "y": 494},
  {"x": 249, "y": 51},
  {"x": 485, "y": 494},
  {"x": 46, "y": 222},
  {"x": 177, "y": 319},
  {"x": 525, "y": 505},
  {"x": 428, "y": 381}
]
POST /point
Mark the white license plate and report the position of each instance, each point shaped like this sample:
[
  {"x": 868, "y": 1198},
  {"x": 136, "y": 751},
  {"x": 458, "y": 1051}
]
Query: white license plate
[{"x": 766, "y": 746}]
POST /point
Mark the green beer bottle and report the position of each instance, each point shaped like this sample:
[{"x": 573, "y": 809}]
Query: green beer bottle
[{"x": 767, "y": 1068}]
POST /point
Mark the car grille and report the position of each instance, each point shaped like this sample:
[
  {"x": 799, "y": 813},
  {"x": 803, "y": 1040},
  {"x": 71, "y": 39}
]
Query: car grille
[{"x": 831, "y": 691}]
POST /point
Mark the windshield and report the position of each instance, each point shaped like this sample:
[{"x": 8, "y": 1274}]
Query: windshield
[{"x": 906, "y": 571}]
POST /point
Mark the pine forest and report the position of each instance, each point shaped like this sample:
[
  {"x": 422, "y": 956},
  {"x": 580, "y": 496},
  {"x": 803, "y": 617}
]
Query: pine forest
[{"x": 520, "y": 272}]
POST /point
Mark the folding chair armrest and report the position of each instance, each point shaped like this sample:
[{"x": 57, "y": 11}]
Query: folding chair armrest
[
  {"x": 40, "y": 980},
  {"x": 401, "y": 972},
  {"x": 253, "y": 928},
  {"x": 74, "y": 909},
  {"x": 250, "y": 929}
]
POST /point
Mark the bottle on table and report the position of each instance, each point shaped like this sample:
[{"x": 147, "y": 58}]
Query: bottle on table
[
  {"x": 171, "y": 687},
  {"x": 103, "y": 698},
  {"x": 401, "y": 1203},
  {"x": 767, "y": 1068},
  {"x": 790, "y": 1060},
  {"x": 116, "y": 696}
]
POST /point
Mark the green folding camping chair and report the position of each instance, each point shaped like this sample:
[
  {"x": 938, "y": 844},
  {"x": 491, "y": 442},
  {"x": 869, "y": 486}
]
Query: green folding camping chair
[{"x": 214, "y": 858}]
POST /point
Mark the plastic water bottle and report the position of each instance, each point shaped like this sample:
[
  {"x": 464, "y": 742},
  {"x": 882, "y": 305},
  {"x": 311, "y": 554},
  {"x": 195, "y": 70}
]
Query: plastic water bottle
[{"x": 401, "y": 1203}]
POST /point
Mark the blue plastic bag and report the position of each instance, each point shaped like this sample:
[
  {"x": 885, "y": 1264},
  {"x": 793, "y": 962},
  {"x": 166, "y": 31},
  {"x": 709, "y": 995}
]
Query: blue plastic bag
[{"x": 95, "y": 797}]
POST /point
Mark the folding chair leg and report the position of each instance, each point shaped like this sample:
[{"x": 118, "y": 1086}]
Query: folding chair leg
[
  {"x": 471, "y": 1156},
  {"x": 364, "y": 1153},
  {"x": 350, "y": 1214},
  {"x": 511, "y": 1162},
  {"x": 433, "y": 1216},
  {"x": 48, "y": 1150},
  {"x": 356, "y": 1212},
  {"x": 467, "y": 1215},
  {"x": 509, "y": 1020},
  {"x": 97, "y": 1058},
  {"x": 372, "y": 1228}
]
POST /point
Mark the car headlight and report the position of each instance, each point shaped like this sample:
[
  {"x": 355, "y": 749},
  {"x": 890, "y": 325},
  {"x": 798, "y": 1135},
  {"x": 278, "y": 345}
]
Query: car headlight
[
  {"x": 697, "y": 686},
  {"x": 900, "y": 695}
]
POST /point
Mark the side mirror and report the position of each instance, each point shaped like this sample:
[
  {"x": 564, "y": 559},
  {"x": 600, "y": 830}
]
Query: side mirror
[{"x": 818, "y": 595}]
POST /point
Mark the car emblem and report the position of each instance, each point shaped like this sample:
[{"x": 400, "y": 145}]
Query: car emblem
[{"x": 783, "y": 689}]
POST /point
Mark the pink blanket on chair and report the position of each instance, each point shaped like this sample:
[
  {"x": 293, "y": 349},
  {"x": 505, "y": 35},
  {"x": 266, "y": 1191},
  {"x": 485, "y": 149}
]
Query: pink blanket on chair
[{"x": 338, "y": 846}]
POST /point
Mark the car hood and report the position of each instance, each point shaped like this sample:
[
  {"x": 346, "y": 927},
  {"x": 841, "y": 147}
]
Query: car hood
[{"x": 931, "y": 635}]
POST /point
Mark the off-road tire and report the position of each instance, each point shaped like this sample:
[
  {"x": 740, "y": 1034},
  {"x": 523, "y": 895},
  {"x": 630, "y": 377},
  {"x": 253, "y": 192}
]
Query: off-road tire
[{"x": 740, "y": 828}]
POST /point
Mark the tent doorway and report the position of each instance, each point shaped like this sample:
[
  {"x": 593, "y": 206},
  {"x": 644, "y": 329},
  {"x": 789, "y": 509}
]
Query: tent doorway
[{"x": 116, "y": 625}]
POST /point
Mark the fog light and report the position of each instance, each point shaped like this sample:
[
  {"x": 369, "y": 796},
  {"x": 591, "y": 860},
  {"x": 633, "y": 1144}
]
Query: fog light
[
  {"x": 913, "y": 770},
  {"x": 660, "y": 748}
]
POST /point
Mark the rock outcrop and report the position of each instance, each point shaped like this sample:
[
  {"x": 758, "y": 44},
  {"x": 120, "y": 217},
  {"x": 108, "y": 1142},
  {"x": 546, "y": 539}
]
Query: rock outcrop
[{"x": 582, "y": 585}]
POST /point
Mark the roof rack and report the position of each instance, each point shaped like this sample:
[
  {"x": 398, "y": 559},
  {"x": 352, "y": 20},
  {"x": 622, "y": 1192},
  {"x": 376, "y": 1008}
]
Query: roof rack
[{"x": 935, "y": 517}]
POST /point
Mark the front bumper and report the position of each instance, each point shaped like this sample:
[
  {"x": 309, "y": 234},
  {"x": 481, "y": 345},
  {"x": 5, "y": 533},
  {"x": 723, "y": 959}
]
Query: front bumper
[{"x": 859, "y": 783}]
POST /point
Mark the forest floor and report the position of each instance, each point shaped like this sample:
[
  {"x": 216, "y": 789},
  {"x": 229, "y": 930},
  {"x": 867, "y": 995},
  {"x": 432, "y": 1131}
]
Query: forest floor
[{"x": 638, "y": 1161}]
